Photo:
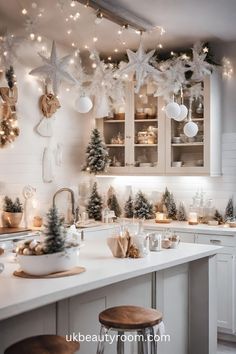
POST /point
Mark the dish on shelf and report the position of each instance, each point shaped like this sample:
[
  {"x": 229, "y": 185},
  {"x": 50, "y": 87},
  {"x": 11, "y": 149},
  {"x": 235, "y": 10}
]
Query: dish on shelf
[
  {"x": 119, "y": 116},
  {"x": 145, "y": 164},
  {"x": 176, "y": 140},
  {"x": 177, "y": 163}
]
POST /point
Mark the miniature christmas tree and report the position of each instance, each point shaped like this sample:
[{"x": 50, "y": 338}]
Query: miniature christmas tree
[
  {"x": 12, "y": 207},
  {"x": 171, "y": 208},
  {"x": 54, "y": 232},
  {"x": 10, "y": 77},
  {"x": 113, "y": 203},
  {"x": 229, "y": 211},
  {"x": 129, "y": 208},
  {"x": 165, "y": 200},
  {"x": 97, "y": 159},
  {"x": 142, "y": 207},
  {"x": 218, "y": 217},
  {"x": 94, "y": 207},
  {"x": 181, "y": 214}
]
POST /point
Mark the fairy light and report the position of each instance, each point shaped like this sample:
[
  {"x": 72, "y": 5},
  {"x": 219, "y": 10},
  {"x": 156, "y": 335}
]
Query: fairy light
[
  {"x": 227, "y": 68},
  {"x": 116, "y": 50},
  {"x": 94, "y": 65},
  {"x": 67, "y": 89},
  {"x": 172, "y": 53},
  {"x": 124, "y": 43},
  {"x": 73, "y": 44},
  {"x": 5, "y": 53},
  {"x": 95, "y": 39},
  {"x": 163, "y": 31},
  {"x": 86, "y": 47},
  {"x": 39, "y": 39},
  {"x": 69, "y": 31},
  {"x": 32, "y": 36},
  {"x": 24, "y": 12},
  {"x": 109, "y": 58},
  {"x": 119, "y": 32},
  {"x": 160, "y": 46},
  {"x": 72, "y": 4},
  {"x": 34, "y": 5},
  {"x": 72, "y": 61}
]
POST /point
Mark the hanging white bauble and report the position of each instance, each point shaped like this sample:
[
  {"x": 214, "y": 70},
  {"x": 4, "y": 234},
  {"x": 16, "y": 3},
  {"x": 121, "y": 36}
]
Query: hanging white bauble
[
  {"x": 190, "y": 129},
  {"x": 172, "y": 110},
  {"x": 183, "y": 113},
  {"x": 83, "y": 104}
]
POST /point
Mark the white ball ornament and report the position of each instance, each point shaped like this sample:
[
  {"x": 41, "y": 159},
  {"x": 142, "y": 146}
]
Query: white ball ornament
[
  {"x": 183, "y": 113},
  {"x": 172, "y": 110},
  {"x": 83, "y": 104},
  {"x": 190, "y": 129}
]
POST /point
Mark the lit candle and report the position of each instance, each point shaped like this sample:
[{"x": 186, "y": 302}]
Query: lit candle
[
  {"x": 192, "y": 220},
  {"x": 159, "y": 216}
]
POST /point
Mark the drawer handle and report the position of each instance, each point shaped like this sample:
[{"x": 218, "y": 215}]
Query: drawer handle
[{"x": 215, "y": 241}]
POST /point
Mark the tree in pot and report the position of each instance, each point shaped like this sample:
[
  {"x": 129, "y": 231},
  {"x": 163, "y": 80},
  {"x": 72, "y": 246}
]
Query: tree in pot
[{"x": 12, "y": 212}]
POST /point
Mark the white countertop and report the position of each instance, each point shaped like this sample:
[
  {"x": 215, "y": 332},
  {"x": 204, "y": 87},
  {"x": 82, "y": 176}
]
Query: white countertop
[
  {"x": 196, "y": 229},
  {"x": 18, "y": 295}
]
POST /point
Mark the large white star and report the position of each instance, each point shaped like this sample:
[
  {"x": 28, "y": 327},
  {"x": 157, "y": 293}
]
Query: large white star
[
  {"x": 54, "y": 69},
  {"x": 139, "y": 65}
]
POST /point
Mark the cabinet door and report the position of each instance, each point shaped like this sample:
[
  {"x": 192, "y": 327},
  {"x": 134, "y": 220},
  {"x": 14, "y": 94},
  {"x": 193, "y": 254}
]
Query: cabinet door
[
  {"x": 187, "y": 237},
  {"x": 225, "y": 282},
  {"x": 226, "y": 292}
]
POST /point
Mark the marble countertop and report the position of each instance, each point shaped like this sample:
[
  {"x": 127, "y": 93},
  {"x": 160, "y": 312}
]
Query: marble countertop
[{"x": 18, "y": 295}]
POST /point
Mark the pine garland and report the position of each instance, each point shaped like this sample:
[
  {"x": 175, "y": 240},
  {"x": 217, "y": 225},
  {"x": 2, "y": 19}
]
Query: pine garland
[
  {"x": 129, "y": 208},
  {"x": 142, "y": 207},
  {"x": 54, "y": 232},
  {"x": 94, "y": 207},
  {"x": 97, "y": 159}
]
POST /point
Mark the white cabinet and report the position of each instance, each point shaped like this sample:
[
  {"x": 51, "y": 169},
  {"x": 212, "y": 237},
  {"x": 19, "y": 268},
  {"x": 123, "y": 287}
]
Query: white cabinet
[
  {"x": 79, "y": 314},
  {"x": 143, "y": 141},
  {"x": 32, "y": 323},
  {"x": 225, "y": 280}
]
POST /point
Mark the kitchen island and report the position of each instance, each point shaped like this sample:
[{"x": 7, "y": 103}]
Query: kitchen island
[{"x": 180, "y": 282}]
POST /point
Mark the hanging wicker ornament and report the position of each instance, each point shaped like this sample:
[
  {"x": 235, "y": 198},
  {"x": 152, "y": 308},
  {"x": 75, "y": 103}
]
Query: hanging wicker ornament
[{"x": 49, "y": 104}]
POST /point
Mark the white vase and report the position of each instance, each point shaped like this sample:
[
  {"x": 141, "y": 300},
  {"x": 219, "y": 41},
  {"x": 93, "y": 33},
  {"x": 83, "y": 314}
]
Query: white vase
[{"x": 49, "y": 263}]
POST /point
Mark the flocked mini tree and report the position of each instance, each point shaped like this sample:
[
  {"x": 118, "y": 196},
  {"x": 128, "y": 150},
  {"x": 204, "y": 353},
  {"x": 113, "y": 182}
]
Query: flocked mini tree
[
  {"x": 112, "y": 202},
  {"x": 129, "y": 208},
  {"x": 229, "y": 211},
  {"x": 143, "y": 209},
  {"x": 181, "y": 213},
  {"x": 94, "y": 207},
  {"x": 54, "y": 232},
  {"x": 171, "y": 208},
  {"x": 97, "y": 159},
  {"x": 218, "y": 217}
]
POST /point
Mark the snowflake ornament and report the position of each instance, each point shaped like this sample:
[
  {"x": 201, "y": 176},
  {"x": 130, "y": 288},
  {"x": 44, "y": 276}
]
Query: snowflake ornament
[
  {"x": 54, "y": 69},
  {"x": 139, "y": 65}
]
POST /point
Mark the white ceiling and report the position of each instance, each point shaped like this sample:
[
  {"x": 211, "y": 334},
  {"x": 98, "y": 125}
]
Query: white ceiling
[{"x": 185, "y": 21}]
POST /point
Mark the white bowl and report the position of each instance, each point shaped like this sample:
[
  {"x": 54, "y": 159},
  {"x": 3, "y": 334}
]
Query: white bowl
[
  {"x": 49, "y": 263},
  {"x": 177, "y": 163}
]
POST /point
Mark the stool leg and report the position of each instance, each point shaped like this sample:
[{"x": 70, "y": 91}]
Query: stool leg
[
  {"x": 153, "y": 342},
  {"x": 145, "y": 342},
  {"x": 120, "y": 344},
  {"x": 101, "y": 342}
]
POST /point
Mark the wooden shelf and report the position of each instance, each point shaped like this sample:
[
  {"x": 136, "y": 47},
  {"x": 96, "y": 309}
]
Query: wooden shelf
[
  {"x": 145, "y": 145},
  {"x": 115, "y": 145},
  {"x": 114, "y": 121},
  {"x": 188, "y": 144},
  {"x": 146, "y": 120}
]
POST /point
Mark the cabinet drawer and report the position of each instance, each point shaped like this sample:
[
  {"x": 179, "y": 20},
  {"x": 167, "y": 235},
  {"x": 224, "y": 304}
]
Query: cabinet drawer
[{"x": 216, "y": 240}]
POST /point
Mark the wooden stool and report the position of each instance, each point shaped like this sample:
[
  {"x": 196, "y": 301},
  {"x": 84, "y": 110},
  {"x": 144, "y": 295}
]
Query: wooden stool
[
  {"x": 45, "y": 344},
  {"x": 126, "y": 319}
]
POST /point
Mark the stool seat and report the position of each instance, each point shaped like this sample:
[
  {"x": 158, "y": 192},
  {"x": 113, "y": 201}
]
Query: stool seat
[
  {"x": 44, "y": 344},
  {"x": 130, "y": 317}
]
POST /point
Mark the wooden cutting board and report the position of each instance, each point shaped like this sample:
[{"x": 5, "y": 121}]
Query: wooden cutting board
[{"x": 12, "y": 230}]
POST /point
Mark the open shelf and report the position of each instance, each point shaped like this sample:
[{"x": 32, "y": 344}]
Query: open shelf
[
  {"x": 114, "y": 121},
  {"x": 115, "y": 145},
  {"x": 144, "y": 145},
  {"x": 188, "y": 144},
  {"x": 146, "y": 120}
]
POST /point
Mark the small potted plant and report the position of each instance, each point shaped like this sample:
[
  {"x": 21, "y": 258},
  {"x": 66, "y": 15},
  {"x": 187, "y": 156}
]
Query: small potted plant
[
  {"x": 12, "y": 212},
  {"x": 54, "y": 254}
]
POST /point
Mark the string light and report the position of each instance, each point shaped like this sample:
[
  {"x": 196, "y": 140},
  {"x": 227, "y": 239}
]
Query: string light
[
  {"x": 95, "y": 39},
  {"x": 116, "y": 50},
  {"x": 39, "y": 39},
  {"x": 109, "y": 58},
  {"x": 73, "y": 44},
  {"x": 227, "y": 68},
  {"x": 69, "y": 31},
  {"x": 94, "y": 65},
  {"x": 160, "y": 46},
  {"x": 119, "y": 32},
  {"x": 32, "y": 36},
  {"x": 24, "y": 12},
  {"x": 86, "y": 47},
  {"x": 72, "y": 4}
]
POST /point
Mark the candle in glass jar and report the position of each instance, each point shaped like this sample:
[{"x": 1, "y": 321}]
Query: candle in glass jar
[
  {"x": 193, "y": 218},
  {"x": 159, "y": 216}
]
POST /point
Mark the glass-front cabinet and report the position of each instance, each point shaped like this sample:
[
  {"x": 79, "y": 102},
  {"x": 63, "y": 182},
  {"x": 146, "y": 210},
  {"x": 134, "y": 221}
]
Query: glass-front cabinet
[
  {"x": 143, "y": 141},
  {"x": 134, "y": 136}
]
